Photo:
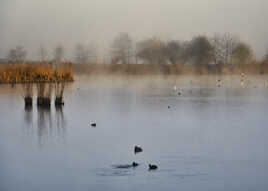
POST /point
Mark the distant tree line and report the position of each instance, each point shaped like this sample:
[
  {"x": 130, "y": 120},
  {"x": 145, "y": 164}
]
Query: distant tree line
[
  {"x": 221, "y": 49},
  {"x": 201, "y": 50},
  {"x": 82, "y": 54}
]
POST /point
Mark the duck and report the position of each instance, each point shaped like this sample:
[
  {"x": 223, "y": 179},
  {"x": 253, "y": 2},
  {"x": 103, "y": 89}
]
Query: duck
[
  {"x": 93, "y": 124},
  {"x": 134, "y": 164},
  {"x": 152, "y": 167},
  {"x": 137, "y": 149}
]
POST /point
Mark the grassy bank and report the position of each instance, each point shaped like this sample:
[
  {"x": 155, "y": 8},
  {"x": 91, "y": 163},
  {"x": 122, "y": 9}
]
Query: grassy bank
[
  {"x": 36, "y": 73},
  {"x": 51, "y": 73},
  {"x": 176, "y": 69}
]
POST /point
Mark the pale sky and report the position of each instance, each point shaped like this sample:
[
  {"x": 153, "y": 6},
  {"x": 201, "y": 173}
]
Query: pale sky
[{"x": 30, "y": 23}]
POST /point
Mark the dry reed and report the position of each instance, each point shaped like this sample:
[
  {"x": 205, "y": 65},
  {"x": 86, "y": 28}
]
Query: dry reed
[{"x": 36, "y": 73}]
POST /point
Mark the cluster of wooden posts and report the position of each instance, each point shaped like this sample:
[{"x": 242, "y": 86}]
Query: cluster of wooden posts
[{"x": 44, "y": 94}]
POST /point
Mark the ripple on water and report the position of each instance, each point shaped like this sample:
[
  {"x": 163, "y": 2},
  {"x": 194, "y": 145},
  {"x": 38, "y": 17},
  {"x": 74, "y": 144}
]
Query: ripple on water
[
  {"x": 190, "y": 175},
  {"x": 116, "y": 170}
]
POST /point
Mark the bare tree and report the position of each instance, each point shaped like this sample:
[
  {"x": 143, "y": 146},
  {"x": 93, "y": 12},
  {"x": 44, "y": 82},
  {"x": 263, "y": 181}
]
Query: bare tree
[
  {"x": 200, "y": 51},
  {"x": 122, "y": 49},
  {"x": 58, "y": 53},
  {"x": 84, "y": 54},
  {"x": 242, "y": 54},
  {"x": 42, "y": 53},
  {"x": 223, "y": 47},
  {"x": 265, "y": 58},
  {"x": 152, "y": 51},
  {"x": 17, "y": 54},
  {"x": 173, "y": 51}
]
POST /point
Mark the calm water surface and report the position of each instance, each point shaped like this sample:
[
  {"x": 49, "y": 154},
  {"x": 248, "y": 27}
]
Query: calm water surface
[{"x": 211, "y": 138}]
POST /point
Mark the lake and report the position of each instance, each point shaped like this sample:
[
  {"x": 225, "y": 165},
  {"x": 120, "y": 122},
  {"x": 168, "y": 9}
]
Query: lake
[{"x": 201, "y": 136}]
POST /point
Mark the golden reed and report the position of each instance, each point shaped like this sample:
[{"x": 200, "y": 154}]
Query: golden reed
[{"x": 36, "y": 72}]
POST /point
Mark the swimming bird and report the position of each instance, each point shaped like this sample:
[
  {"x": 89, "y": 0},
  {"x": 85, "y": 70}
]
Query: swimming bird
[
  {"x": 93, "y": 124},
  {"x": 152, "y": 167},
  {"x": 137, "y": 149},
  {"x": 134, "y": 164}
]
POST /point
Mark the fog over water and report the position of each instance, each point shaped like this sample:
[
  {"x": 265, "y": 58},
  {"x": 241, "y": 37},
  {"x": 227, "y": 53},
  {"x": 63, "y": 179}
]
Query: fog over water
[
  {"x": 30, "y": 23},
  {"x": 209, "y": 138}
]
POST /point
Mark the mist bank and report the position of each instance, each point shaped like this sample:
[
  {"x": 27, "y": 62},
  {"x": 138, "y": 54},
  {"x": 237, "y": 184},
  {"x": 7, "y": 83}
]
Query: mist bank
[
  {"x": 220, "y": 48},
  {"x": 255, "y": 68}
]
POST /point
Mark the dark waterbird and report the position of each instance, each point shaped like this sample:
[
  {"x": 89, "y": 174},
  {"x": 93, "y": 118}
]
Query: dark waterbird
[
  {"x": 152, "y": 167},
  {"x": 93, "y": 124},
  {"x": 137, "y": 149}
]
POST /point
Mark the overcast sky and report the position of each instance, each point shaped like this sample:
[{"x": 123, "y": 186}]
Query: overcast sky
[{"x": 30, "y": 23}]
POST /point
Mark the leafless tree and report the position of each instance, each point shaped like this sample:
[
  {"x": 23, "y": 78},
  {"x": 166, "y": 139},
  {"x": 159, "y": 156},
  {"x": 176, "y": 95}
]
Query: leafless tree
[
  {"x": 85, "y": 54},
  {"x": 122, "y": 49},
  {"x": 58, "y": 53},
  {"x": 223, "y": 47},
  {"x": 174, "y": 51},
  {"x": 152, "y": 51},
  {"x": 265, "y": 58},
  {"x": 17, "y": 54},
  {"x": 242, "y": 54},
  {"x": 200, "y": 51},
  {"x": 42, "y": 53}
]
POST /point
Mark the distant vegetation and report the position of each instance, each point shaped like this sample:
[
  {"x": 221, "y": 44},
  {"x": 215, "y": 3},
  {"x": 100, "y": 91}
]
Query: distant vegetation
[
  {"x": 36, "y": 72},
  {"x": 219, "y": 54}
]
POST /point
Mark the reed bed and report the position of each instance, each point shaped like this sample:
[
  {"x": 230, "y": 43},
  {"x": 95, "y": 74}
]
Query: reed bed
[
  {"x": 171, "y": 69},
  {"x": 41, "y": 72},
  {"x": 44, "y": 92}
]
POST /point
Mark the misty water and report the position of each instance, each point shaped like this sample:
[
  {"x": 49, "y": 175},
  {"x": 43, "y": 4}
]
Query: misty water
[{"x": 207, "y": 138}]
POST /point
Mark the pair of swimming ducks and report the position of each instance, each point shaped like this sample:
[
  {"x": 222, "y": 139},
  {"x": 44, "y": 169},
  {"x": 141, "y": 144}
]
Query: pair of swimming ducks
[{"x": 138, "y": 149}]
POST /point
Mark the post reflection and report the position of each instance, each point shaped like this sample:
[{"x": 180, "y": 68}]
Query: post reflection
[
  {"x": 28, "y": 115},
  {"x": 45, "y": 123},
  {"x": 60, "y": 120}
]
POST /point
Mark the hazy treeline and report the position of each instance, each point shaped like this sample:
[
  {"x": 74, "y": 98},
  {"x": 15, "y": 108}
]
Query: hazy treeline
[
  {"x": 201, "y": 50},
  {"x": 217, "y": 53}
]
